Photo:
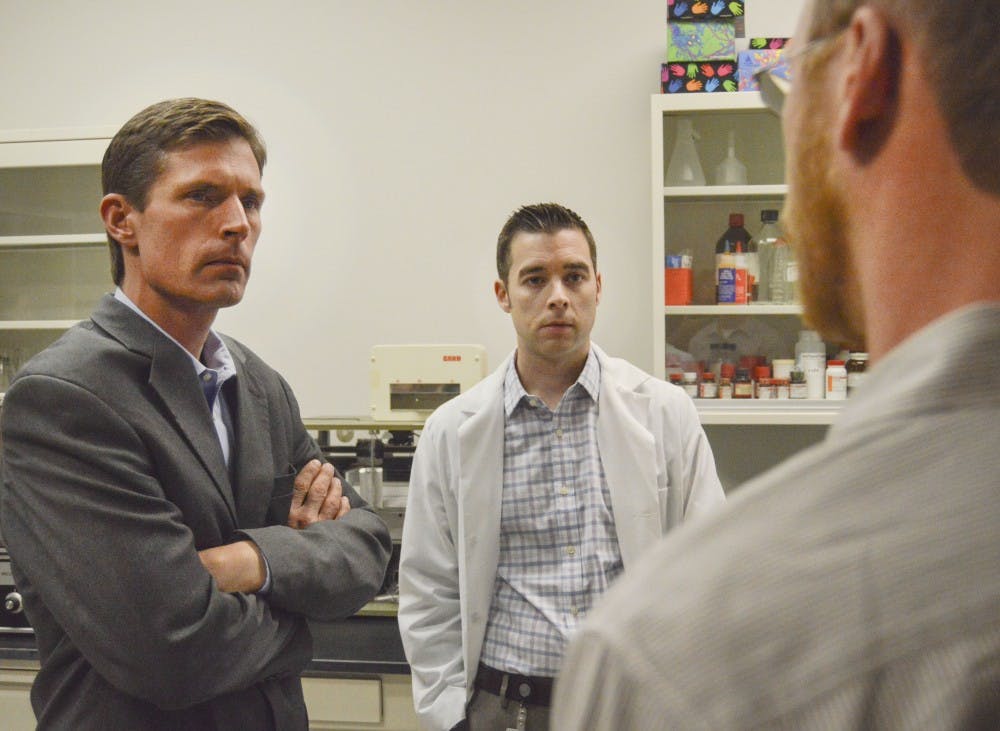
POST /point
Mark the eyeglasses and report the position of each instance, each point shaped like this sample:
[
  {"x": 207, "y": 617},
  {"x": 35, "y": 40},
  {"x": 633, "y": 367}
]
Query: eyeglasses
[{"x": 774, "y": 88}]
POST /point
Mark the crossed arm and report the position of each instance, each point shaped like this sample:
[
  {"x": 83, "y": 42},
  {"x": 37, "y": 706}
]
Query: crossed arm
[{"x": 318, "y": 495}]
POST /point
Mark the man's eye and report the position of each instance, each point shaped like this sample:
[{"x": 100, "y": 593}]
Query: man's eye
[
  {"x": 535, "y": 281},
  {"x": 201, "y": 196},
  {"x": 251, "y": 203},
  {"x": 575, "y": 278}
]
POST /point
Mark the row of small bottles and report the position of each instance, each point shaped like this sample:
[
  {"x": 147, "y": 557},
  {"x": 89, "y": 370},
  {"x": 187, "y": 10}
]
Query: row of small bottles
[
  {"x": 754, "y": 269},
  {"x": 808, "y": 376}
]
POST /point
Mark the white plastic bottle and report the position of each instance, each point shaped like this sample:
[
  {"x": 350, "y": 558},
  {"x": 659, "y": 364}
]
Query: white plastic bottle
[
  {"x": 810, "y": 355},
  {"x": 731, "y": 171},
  {"x": 836, "y": 380},
  {"x": 685, "y": 167}
]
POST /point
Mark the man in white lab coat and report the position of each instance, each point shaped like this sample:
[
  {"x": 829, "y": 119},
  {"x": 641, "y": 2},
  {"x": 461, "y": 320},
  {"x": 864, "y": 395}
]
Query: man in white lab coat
[
  {"x": 856, "y": 586},
  {"x": 536, "y": 489}
]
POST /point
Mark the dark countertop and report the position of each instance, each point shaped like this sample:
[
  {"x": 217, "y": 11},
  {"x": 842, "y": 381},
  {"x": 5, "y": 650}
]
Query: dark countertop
[{"x": 358, "y": 645}]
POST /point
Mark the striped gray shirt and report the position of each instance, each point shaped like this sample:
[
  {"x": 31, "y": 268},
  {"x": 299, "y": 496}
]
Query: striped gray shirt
[{"x": 558, "y": 547}]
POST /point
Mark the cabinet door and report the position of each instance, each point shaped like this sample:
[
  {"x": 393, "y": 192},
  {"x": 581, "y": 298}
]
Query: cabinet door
[{"x": 15, "y": 702}]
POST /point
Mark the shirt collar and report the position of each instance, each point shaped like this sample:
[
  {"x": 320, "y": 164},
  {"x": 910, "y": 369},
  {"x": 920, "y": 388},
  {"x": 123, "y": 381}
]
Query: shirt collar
[
  {"x": 216, "y": 354},
  {"x": 514, "y": 391}
]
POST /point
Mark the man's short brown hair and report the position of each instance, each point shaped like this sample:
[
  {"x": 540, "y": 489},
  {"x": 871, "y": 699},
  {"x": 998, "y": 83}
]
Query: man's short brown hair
[
  {"x": 135, "y": 157},
  {"x": 958, "y": 44}
]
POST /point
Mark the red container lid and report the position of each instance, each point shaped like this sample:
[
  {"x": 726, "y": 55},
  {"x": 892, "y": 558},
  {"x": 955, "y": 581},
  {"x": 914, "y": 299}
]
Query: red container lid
[
  {"x": 834, "y": 362},
  {"x": 761, "y": 371}
]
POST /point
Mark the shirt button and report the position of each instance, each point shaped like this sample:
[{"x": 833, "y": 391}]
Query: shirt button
[
  {"x": 570, "y": 551},
  {"x": 574, "y": 611},
  {"x": 564, "y": 490},
  {"x": 206, "y": 376},
  {"x": 559, "y": 433}
]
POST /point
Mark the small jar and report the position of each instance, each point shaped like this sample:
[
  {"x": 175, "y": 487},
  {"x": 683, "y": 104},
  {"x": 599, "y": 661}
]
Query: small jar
[
  {"x": 708, "y": 388},
  {"x": 742, "y": 385},
  {"x": 725, "y": 388},
  {"x": 781, "y": 389},
  {"x": 765, "y": 389},
  {"x": 836, "y": 380},
  {"x": 760, "y": 373},
  {"x": 690, "y": 384},
  {"x": 782, "y": 367},
  {"x": 676, "y": 379},
  {"x": 797, "y": 387},
  {"x": 856, "y": 367}
]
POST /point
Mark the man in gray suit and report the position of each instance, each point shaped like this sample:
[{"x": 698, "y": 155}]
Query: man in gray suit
[
  {"x": 171, "y": 523},
  {"x": 856, "y": 586}
]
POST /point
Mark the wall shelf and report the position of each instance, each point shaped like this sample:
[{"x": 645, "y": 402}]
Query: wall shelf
[
  {"x": 733, "y": 310},
  {"x": 755, "y": 412}
]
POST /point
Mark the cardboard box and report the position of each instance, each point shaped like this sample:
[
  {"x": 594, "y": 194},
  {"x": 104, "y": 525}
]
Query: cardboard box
[
  {"x": 704, "y": 9},
  {"x": 698, "y": 76},
  {"x": 749, "y": 62},
  {"x": 708, "y": 41}
]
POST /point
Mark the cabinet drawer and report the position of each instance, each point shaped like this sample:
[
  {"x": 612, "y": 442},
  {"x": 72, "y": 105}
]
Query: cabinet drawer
[{"x": 342, "y": 700}]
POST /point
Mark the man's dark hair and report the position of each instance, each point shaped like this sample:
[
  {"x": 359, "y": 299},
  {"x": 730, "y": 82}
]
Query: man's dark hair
[
  {"x": 135, "y": 157},
  {"x": 547, "y": 218}
]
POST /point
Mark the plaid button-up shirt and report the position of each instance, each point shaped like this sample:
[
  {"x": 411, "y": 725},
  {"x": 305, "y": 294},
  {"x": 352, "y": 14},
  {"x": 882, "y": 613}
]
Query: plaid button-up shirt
[{"x": 558, "y": 547}]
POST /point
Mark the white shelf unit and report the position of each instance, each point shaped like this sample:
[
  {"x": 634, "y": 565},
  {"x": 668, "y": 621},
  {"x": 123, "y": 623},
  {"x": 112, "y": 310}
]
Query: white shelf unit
[
  {"x": 53, "y": 252},
  {"x": 693, "y": 217}
]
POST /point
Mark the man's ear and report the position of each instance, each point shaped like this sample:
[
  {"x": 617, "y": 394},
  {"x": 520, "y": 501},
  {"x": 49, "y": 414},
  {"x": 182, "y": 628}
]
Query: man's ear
[
  {"x": 116, "y": 212},
  {"x": 867, "y": 83},
  {"x": 503, "y": 297}
]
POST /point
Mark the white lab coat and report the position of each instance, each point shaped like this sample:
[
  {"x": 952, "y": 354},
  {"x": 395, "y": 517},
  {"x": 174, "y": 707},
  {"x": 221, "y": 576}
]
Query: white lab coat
[{"x": 659, "y": 469}]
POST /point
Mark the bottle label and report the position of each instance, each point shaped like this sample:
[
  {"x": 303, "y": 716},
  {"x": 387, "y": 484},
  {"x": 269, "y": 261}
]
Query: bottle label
[{"x": 727, "y": 286}]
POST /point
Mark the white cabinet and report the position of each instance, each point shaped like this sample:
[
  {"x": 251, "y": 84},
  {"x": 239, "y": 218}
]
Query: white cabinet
[
  {"x": 15, "y": 695},
  {"x": 694, "y": 217},
  {"x": 54, "y": 262}
]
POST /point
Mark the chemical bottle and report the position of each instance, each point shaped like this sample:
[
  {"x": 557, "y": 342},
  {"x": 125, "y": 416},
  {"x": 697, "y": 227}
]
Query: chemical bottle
[
  {"x": 797, "y": 388},
  {"x": 857, "y": 364},
  {"x": 685, "y": 167},
  {"x": 836, "y": 380},
  {"x": 765, "y": 240},
  {"x": 783, "y": 274},
  {"x": 735, "y": 239},
  {"x": 731, "y": 171},
  {"x": 810, "y": 355}
]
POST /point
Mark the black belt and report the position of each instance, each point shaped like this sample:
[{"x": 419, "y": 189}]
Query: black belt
[{"x": 521, "y": 688}]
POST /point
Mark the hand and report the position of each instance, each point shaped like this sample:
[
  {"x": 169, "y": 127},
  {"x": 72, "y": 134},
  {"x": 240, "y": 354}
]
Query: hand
[
  {"x": 236, "y": 567},
  {"x": 318, "y": 495}
]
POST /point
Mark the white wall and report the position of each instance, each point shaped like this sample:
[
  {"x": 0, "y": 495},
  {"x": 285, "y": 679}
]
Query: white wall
[{"x": 401, "y": 134}]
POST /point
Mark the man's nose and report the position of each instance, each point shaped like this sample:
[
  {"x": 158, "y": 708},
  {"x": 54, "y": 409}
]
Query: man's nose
[
  {"x": 235, "y": 221},
  {"x": 557, "y": 297}
]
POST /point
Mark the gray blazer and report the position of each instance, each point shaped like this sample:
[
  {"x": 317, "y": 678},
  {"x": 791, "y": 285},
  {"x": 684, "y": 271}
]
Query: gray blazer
[{"x": 113, "y": 479}]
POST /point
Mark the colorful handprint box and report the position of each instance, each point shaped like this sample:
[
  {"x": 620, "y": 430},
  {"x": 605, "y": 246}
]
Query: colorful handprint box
[
  {"x": 709, "y": 41},
  {"x": 704, "y": 9},
  {"x": 750, "y": 62},
  {"x": 698, "y": 76}
]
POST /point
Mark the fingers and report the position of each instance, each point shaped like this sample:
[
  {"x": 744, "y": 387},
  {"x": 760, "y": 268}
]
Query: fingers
[
  {"x": 317, "y": 495},
  {"x": 304, "y": 480},
  {"x": 330, "y": 508}
]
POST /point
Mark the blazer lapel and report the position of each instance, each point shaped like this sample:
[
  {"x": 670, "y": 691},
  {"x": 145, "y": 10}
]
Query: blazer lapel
[
  {"x": 172, "y": 378},
  {"x": 252, "y": 459}
]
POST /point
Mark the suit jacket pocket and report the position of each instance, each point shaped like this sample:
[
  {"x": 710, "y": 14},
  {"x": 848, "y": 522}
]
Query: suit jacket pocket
[{"x": 281, "y": 498}]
